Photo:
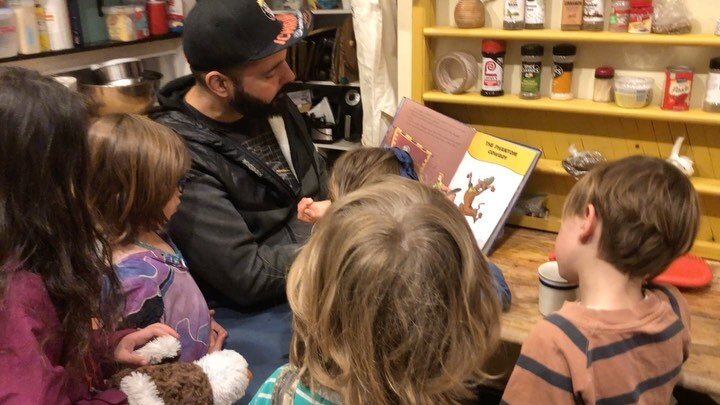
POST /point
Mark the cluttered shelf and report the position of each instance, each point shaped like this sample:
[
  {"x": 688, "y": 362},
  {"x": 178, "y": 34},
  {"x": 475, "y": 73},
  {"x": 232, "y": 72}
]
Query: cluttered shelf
[
  {"x": 90, "y": 48},
  {"x": 574, "y": 36},
  {"x": 580, "y": 106},
  {"x": 703, "y": 185}
]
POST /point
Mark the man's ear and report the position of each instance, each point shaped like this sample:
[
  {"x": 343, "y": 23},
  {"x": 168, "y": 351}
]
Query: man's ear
[
  {"x": 219, "y": 84},
  {"x": 590, "y": 224}
]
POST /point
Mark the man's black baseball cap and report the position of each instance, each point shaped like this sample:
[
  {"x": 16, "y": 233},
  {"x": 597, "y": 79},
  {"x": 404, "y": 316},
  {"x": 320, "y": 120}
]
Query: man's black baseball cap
[{"x": 220, "y": 34}]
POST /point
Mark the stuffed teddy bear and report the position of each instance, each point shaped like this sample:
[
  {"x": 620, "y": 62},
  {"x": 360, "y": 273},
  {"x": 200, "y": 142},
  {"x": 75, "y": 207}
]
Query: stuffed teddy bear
[{"x": 218, "y": 378}]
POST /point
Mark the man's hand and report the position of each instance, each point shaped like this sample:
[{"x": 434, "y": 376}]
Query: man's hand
[{"x": 127, "y": 345}]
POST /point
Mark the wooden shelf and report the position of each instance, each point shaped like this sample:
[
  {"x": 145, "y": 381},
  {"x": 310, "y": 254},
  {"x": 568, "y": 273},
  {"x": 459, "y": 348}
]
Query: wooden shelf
[
  {"x": 339, "y": 145},
  {"x": 703, "y": 185},
  {"x": 579, "y": 106},
  {"x": 89, "y": 48},
  {"x": 549, "y": 224},
  {"x": 574, "y": 36}
]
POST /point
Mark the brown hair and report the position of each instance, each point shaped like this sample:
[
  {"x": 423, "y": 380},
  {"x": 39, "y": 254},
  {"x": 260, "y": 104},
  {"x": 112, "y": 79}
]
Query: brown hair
[
  {"x": 392, "y": 299},
  {"x": 136, "y": 165},
  {"x": 648, "y": 209},
  {"x": 359, "y": 167}
]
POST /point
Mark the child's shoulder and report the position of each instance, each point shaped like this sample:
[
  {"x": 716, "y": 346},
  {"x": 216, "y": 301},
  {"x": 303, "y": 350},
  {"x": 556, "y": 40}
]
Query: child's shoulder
[{"x": 673, "y": 296}]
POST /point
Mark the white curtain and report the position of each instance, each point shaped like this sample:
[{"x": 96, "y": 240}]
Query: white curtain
[{"x": 375, "y": 25}]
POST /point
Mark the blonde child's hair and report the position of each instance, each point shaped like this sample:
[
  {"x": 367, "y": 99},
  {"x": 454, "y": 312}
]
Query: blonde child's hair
[
  {"x": 392, "y": 300},
  {"x": 648, "y": 209},
  {"x": 135, "y": 167},
  {"x": 359, "y": 167}
]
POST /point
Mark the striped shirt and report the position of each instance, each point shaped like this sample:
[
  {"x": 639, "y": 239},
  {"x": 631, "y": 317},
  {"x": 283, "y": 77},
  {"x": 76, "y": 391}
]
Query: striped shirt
[
  {"x": 581, "y": 355},
  {"x": 284, "y": 388}
]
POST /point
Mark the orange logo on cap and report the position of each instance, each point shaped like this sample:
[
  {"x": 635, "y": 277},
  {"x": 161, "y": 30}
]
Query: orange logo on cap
[{"x": 289, "y": 25}]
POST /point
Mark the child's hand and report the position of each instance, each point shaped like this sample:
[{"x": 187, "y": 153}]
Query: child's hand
[
  {"x": 217, "y": 336},
  {"x": 127, "y": 345},
  {"x": 316, "y": 210},
  {"x": 301, "y": 207}
]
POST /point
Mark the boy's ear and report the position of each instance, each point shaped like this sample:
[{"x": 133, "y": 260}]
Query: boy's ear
[{"x": 590, "y": 223}]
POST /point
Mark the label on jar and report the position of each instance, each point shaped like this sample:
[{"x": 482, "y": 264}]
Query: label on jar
[
  {"x": 713, "y": 88},
  {"x": 619, "y": 18},
  {"x": 572, "y": 12},
  {"x": 530, "y": 81},
  {"x": 593, "y": 11},
  {"x": 562, "y": 78},
  {"x": 640, "y": 22},
  {"x": 514, "y": 11},
  {"x": 535, "y": 12},
  {"x": 492, "y": 69},
  {"x": 678, "y": 86}
]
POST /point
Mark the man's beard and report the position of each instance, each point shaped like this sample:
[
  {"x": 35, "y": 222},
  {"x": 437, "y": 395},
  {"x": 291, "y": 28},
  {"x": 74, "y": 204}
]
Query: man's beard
[{"x": 251, "y": 106}]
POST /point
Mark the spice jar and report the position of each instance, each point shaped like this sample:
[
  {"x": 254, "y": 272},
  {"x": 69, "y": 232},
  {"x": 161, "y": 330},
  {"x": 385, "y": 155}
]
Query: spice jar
[
  {"x": 493, "y": 62},
  {"x": 563, "y": 59},
  {"x": 678, "y": 88},
  {"x": 593, "y": 17},
  {"x": 619, "y": 16},
  {"x": 514, "y": 15},
  {"x": 531, "y": 56},
  {"x": 534, "y": 14},
  {"x": 640, "y": 17},
  {"x": 602, "y": 91},
  {"x": 712, "y": 96},
  {"x": 572, "y": 15}
]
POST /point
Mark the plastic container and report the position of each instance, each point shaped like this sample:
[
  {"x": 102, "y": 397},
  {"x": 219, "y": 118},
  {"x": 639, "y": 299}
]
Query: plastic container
[
  {"x": 633, "y": 92},
  {"x": 531, "y": 56},
  {"x": 534, "y": 14},
  {"x": 42, "y": 28},
  {"x": 641, "y": 12},
  {"x": 712, "y": 96},
  {"x": 678, "y": 88},
  {"x": 456, "y": 72},
  {"x": 572, "y": 15},
  {"x": 176, "y": 15},
  {"x": 563, "y": 64},
  {"x": 619, "y": 16},
  {"x": 27, "y": 27},
  {"x": 58, "y": 24},
  {"x": 126, "y": 23},
  {"x": 8, "y": 33},
  {"x": 594, "y": 15},
  {"x": 603, "y": 88},
  {"x": 493, "y": 64}
]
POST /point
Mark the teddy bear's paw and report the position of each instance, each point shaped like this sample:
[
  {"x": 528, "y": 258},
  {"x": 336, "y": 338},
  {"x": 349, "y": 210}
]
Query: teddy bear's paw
[
  {"x": 159, "y": 349},
  {"x": 227, "y": 371},
  {"x": 140, "y": 389}
]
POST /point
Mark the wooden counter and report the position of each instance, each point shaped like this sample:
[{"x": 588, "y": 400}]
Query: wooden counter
[{"x": 521, "y": 251}]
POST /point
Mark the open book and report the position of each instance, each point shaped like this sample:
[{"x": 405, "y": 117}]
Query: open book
[{"x": 483, "y": 173}]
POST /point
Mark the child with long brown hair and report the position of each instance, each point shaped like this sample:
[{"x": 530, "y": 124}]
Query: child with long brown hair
[
  {"x": 138, "y": 172},
  {"x": 388, "y": 304},
  {"x": 363, "y": 166},
  {"x": 57, "y": 334}
]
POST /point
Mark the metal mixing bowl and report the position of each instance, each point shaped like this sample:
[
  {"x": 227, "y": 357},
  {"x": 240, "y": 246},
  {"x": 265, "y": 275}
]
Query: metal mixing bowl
[
  {"x": 117, "y": 69},
  {"x": 135, "y": 96}
]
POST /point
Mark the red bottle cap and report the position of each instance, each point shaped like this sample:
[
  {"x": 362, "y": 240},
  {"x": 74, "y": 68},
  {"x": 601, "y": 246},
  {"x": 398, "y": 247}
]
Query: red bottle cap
[
  {"x": 604, "y": 72},
  {"x": 493, "y": 46}
]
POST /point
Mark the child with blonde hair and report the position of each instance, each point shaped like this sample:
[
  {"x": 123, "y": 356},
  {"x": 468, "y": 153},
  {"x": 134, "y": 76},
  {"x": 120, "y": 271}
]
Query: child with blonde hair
[
  {"x": 387, "y": 304},
  {"x": 360, "y": 167},
  {"x": 138, "y": 172},
  {"x": 625, "y": 340}
]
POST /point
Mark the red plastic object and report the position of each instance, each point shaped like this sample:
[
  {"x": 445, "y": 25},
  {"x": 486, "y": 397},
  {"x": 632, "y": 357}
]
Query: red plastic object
[
  {"x": 687, "y": 271},
  {"x": 551, "y": 256}
]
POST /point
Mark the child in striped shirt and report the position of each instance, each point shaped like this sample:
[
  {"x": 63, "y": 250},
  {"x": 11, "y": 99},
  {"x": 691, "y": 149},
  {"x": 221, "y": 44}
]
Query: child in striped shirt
[
  {"x": 625, "y": 340},
  {"x": 387, "y": 304}
]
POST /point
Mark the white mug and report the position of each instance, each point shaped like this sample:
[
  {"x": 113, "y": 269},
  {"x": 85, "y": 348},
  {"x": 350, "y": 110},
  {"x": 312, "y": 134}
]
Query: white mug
[{"x": 554, "y": 290}]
